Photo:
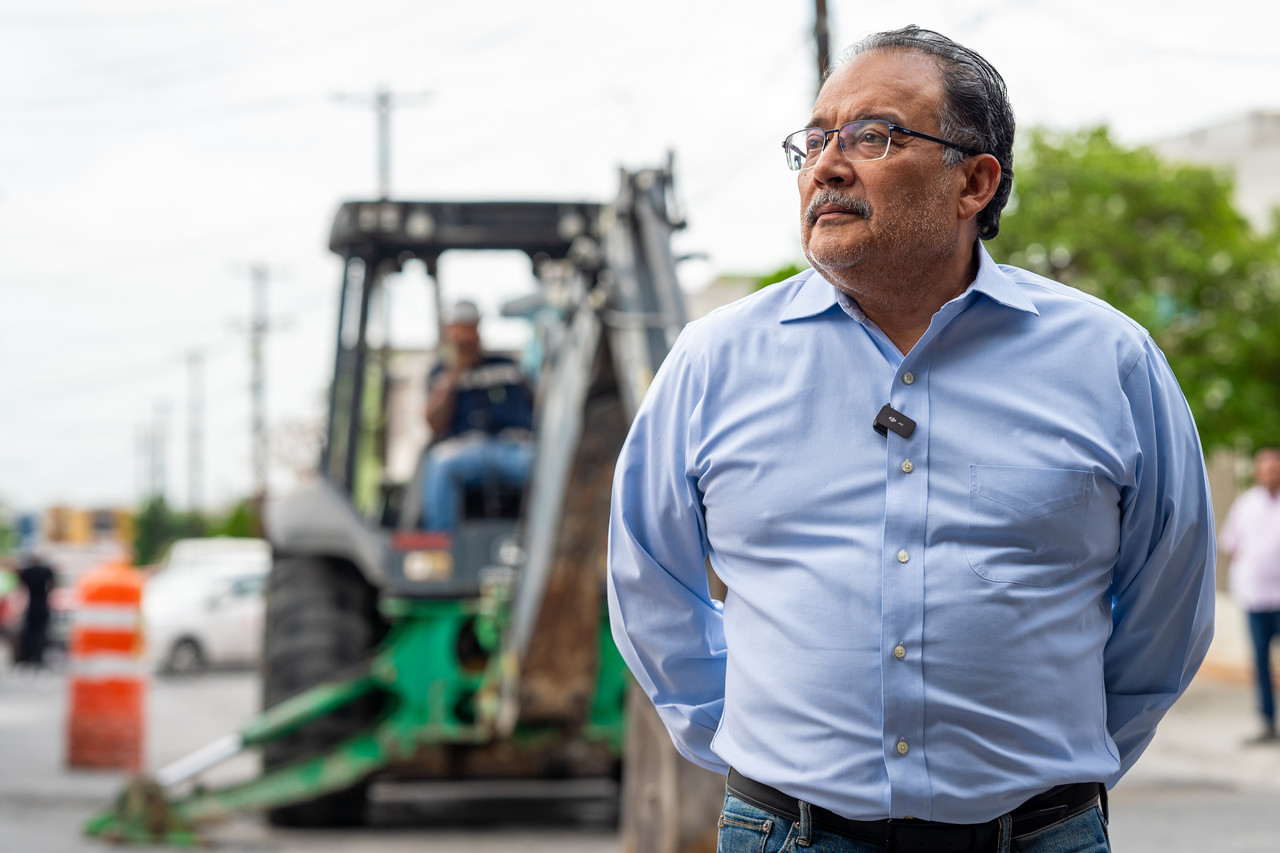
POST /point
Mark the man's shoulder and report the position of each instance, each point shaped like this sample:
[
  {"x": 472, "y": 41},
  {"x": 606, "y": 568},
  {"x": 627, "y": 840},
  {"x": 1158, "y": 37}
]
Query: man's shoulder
[
  {"x": 763, "y": 307},
  {"x": 1053, "y": 298}
]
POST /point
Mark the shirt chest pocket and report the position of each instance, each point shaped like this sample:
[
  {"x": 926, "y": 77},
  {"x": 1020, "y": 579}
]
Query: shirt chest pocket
[{"x": 1026, "y": 525}]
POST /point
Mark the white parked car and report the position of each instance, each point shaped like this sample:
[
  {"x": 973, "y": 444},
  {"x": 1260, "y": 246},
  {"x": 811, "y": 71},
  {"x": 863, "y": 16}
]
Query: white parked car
[{"x": 205, "y": 606}]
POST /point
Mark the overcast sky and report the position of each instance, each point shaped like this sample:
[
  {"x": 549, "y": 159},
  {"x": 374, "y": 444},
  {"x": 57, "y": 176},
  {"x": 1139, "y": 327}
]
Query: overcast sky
[{"x": 151, "y": 151}]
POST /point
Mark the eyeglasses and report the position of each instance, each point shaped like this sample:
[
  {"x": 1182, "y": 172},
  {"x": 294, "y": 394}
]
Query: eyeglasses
[{"x": 867, "y": 139}]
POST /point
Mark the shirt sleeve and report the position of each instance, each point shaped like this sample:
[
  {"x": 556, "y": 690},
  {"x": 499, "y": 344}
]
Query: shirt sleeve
[
  {"x": 1163, "y": 582},
  {"x": 667, "y": 626}
]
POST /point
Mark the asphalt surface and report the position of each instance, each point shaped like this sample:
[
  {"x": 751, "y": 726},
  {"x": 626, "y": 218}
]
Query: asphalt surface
[
  {"x": 1198, "y": 788},
  {"x": 43, "y": 804}
]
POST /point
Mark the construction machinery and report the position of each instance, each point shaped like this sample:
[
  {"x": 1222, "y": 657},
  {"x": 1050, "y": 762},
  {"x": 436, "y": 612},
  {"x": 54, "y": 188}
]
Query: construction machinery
[{"x": 482, "y": 654}]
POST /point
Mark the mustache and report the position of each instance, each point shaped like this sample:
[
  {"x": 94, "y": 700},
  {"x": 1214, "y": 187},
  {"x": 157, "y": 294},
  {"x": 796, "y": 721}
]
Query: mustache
[{"x": 858, "y": 206}]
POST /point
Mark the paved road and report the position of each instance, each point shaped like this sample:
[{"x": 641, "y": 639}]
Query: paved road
[
  {"x": 1197, "y": 789},
  {"x": 43, "y": 804}
]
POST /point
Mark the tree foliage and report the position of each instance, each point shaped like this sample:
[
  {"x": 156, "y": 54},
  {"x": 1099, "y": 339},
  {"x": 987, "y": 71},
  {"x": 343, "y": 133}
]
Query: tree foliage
[
  {"x": 780, "y": 274},
  {"x": 157, "y": 526},
  {"x": 1163, "y": 243}
]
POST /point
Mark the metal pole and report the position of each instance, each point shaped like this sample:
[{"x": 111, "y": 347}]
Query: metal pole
[
  {"x": 382, "y": 106},
  {"x": 333, "y": 437},
  {"x": 372, "y": 278},
  {"x": 383, "y": 102}
]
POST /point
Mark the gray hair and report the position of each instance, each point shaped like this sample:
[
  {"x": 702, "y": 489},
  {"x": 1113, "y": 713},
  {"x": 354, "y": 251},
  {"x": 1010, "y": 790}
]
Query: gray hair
[{"x": 975, "y": 111}]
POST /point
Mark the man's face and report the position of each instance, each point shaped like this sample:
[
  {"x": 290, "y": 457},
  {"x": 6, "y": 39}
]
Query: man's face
[
  {"x": 1266, "y": 469},
  {"x": 884, "y": 216},
  {"x": 464, "y": 337}
]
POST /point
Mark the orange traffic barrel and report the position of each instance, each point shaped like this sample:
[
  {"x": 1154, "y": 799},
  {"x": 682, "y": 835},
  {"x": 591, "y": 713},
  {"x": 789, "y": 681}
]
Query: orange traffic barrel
[{"x": 106, "y": 720}]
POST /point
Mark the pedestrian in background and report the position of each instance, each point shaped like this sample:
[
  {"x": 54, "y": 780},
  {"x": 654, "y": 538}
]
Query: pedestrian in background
[
  {"x": 961, "y": 510},
  {"x": 38, "y": 579},
  {"x": 1251, "y": 535}
]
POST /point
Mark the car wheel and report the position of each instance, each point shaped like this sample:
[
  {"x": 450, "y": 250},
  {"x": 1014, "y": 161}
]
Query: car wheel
[
  {"x": 184, "y": 658},
  {"x": 321, "y": 618}
]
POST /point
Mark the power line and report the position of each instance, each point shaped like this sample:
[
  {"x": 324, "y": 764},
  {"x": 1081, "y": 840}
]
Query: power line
[{"x": 104, "y": 380}]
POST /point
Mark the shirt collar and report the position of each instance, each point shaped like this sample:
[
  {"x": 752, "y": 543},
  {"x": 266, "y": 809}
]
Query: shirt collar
[
  {"x": 817, "y": 295},
  {"x": 996, "y": 283}
]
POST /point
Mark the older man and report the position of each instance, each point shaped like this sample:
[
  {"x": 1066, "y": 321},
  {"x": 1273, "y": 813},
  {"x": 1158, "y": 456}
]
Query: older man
[{"x": 961, "y": 510}]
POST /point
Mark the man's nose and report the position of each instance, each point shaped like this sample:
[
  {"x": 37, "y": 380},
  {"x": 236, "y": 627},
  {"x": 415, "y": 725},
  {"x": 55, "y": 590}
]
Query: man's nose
[{"x": 832, "y": 167}]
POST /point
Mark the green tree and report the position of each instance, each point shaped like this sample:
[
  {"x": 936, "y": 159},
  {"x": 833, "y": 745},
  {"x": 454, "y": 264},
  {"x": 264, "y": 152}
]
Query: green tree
[
  {"x": 780, "y": 274},
  {"x": 242, "y": 520},
  {"x": 8, "y": 535},
  {"x": 1164, "y": 243},
  {"x": 155, "y": 528}
]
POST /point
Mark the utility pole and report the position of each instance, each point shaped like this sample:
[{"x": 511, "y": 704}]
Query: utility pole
[
  {"x": 822, "y": 36},
  {"x": 195, "y": 441},
  {"x": 142, "y": 449},
  {"x": 160, "y": 450},
  {"x": 383, "y": 101},
  {"x": 258, "y": 327}
]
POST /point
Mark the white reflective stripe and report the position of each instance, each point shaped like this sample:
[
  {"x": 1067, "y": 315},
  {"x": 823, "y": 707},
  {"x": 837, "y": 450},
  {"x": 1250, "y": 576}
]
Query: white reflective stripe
[
  {"x": 106, "y": 665},
  {"x": 106, "y": 617}
]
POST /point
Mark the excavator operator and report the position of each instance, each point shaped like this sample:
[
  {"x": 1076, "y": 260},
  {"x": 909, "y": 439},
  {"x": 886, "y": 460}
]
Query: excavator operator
[{"x": 480, "y": 410}]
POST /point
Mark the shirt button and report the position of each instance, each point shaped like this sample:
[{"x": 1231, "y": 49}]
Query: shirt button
[
  {"x": 908, "y": 378},
  {"x": 902, "y": 747},
  {"x": 907, "y": 467},
  {"x": 903, "y": 556},
  {"x": 900, "y": 651}
]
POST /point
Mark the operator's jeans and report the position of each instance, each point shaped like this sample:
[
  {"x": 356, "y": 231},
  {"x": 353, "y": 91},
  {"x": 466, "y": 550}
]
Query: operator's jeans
[
  {"x": 469, "y": 460},
  {"x": 747, "y": 829}
]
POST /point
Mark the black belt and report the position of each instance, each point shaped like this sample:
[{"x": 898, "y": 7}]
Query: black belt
[{"x": 908, "y": 835}]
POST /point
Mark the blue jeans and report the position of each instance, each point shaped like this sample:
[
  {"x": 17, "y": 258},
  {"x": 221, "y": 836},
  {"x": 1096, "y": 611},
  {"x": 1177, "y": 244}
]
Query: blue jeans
[
  {"x": 469, "y": 460},
  {"x": 1264, "y": 627},
  {"x": 747, "y": 829}
]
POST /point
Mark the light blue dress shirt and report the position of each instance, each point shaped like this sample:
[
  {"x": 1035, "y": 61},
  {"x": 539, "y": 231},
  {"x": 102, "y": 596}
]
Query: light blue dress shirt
[{"x": 937, "y": 626}]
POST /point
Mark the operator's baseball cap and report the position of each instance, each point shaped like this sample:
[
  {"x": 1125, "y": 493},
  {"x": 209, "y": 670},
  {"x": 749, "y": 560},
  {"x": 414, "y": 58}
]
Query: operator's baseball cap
[{"x": 463, "y": 312}]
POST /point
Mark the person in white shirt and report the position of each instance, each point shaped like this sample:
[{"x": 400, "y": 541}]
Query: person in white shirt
[{"x": 1251, "y": 535}]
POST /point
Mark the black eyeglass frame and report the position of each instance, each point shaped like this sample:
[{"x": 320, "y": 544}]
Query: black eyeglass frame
[{"x": 893, "y": 128}]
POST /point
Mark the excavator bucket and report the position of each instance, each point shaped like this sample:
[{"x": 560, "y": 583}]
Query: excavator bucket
[{"x": 142, "y": 815}]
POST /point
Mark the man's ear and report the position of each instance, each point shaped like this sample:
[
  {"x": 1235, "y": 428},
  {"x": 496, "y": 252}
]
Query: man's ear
[{"x": 982, "y": 177}]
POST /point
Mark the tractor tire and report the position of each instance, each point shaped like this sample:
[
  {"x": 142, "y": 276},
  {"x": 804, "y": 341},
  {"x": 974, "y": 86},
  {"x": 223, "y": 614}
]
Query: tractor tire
[{"x": 321, "y": 619}]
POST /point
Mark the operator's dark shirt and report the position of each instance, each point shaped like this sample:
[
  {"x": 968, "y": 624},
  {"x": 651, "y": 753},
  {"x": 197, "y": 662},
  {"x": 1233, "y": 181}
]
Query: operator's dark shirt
[{"x": 491, "y": 397}]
